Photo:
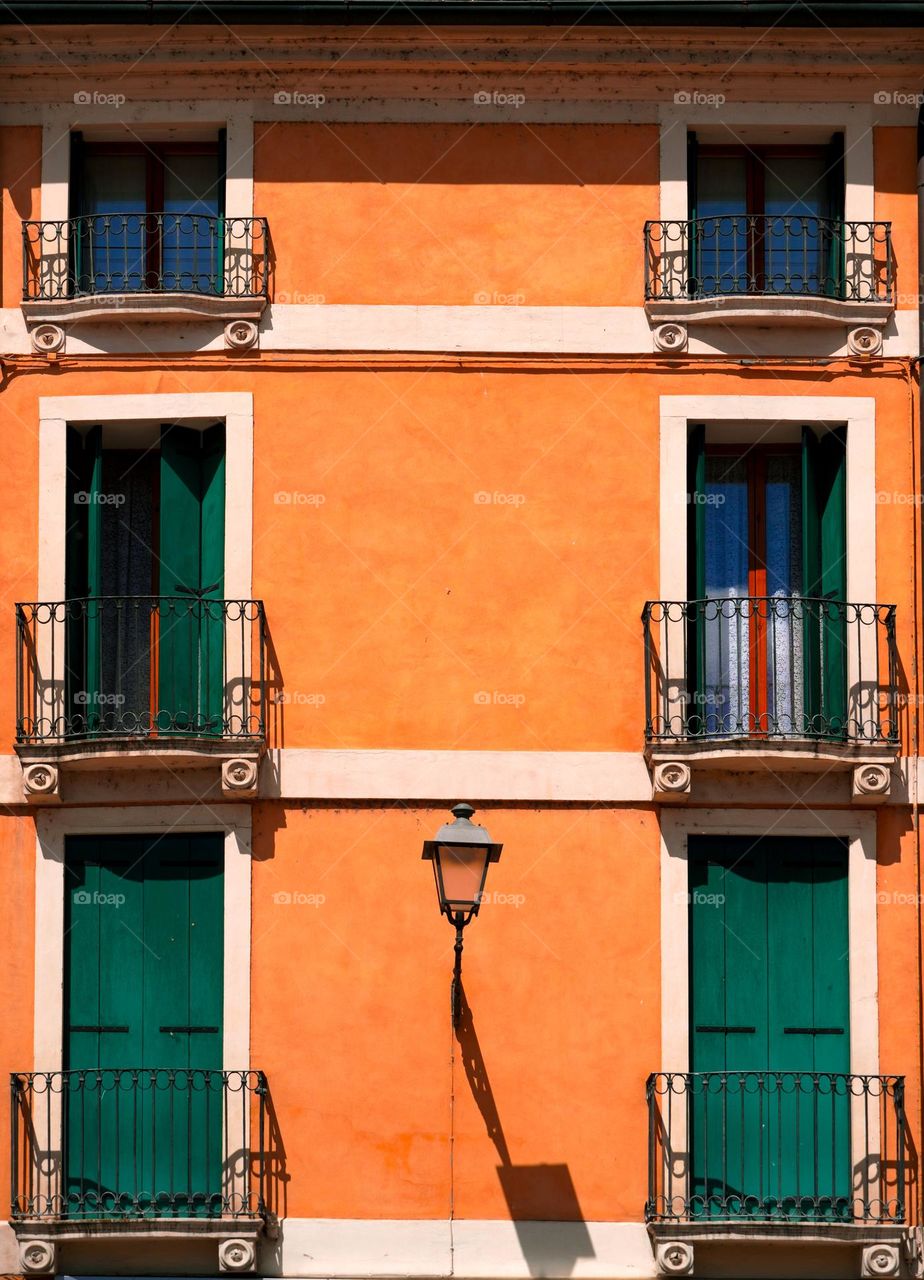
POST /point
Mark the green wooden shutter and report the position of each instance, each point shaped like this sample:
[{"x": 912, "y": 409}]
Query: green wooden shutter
[
  {"x": 696, "y": 577},
  {"x": 104, "y": 975},
  {"x": 191, "y": 648},
  {"x": 833, "y": 263},
  {"x": 83, "y": 577},
  {"x": 692, "y": 206},
  {"x": 182, "y": 1017},
  {"x": 824, "y": 533},
  {"x": 729, "y": 1026}
]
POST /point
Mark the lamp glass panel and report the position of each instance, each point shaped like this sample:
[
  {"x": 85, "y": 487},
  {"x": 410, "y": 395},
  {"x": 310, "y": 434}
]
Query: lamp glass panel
[{"x": 462, "y": 869}]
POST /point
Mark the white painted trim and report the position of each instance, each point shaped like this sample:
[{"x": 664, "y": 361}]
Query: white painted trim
[
  {"x": 59, "y": 120},
  {"x": 235, "y": 407},
  {"x": 513, "y": 330},
  {"x": 372, "y": 774},
  {"x": 338, "y": 1249},
  {"x": 239, "y": 163},
  {"x": 52, "y": 829},
  {"x": 755, "y": 413},
  {"x": 855, "y": 119},
  {"x": 588, "y": 776}
]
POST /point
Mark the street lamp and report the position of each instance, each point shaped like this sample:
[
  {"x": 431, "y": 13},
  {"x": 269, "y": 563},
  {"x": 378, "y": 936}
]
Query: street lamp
[{"x": 460, "y": 854}]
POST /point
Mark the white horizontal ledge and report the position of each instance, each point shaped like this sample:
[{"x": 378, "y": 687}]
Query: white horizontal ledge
[
  {"x": 501, "y": 328},
  {"x": 581, "y": 776},
  {"x": 481, "y": 1249}
]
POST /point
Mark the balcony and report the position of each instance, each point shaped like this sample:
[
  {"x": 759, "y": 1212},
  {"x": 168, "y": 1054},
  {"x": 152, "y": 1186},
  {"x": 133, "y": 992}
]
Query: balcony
[
  {"x": 110, "y": 266},
  {"x": 769, "y": 269},
  {"x": 106, "y": 679},
  {"x": 153, "y": 1153},
  {"x": 789, "y": 681},
  {"x": 764, "y": 1156}
]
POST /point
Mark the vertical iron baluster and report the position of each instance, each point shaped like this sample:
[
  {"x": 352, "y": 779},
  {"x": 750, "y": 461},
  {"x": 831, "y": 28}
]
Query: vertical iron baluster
[
  {"x": 778, "y": 1083},
  {"x": 137, "y": 1086},
  {"x": 262, "y": 705},
  {"x": 152, "y": 1075},
  {"x": 816, "y": 1080},
  {"x": 14, "y": 1141},
  {"x": 899, "y": 1096},
  {"x": 246, "y": 676}
]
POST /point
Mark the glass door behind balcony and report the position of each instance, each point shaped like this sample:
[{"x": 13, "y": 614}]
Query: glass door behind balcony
[
  {"x": 765, "y": 648},
  {"x": 148, "y": 217},
  {"x": 766, "y": 219},
  {"x": 769, "y": 1106}
]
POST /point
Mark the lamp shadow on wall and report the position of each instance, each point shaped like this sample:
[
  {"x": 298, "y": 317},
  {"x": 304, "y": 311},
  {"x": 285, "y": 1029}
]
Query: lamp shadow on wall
[{"x": 541, "y": 1198}]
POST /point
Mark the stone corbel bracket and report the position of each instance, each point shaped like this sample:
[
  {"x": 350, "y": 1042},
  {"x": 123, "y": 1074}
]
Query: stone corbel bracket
[
  {"x": 241, "y": 335},
  {"x": 237, "y": 1254},
  {"x": 881, "y": 1260},
  {"x": 671, "y": 337},
  {"x": 674, "y": 1258},
  {"x": 240, "y": 777},
  {"x": 871, "y": 783},
  {"x": 38, "y": 1257},
  {"x": 864, "y": 340},
  {"x": 47, "y": 339},
  {"x": 671, "y": 782},
  {"x": 41, "y": 782}
]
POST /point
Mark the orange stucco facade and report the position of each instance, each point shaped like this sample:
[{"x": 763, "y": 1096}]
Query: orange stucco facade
[{"x": 453, "y": 548}]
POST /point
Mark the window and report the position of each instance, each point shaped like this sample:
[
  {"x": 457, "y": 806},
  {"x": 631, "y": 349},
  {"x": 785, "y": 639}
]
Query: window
[
  {"x": 767, "y": 220},
  {"x": 149, "y": 216}
]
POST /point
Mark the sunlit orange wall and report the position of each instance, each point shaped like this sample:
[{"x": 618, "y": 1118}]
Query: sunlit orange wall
[
  {"x": 895, "y": 155},
  {"x": 562, "y": 976},
  {"x": 399, "y": 598},
  {"x": 456, "y": 214},
  {"x": 403, "y": 611},
  {"x": 20, "y": 181}
]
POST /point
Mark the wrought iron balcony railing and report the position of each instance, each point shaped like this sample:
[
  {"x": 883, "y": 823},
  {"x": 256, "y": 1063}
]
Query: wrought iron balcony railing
[
  {"x": 778, "y": 1147},
  {"x": 770, "y": 668},
  {"x": 178, "y": 667},
  {"x": 750, "y": 255},
  {"x": 123, "y": 1143},
  {"x": 139, "y": 253}
]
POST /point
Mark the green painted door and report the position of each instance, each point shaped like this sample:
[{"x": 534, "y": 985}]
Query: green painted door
[
  {"x": 192, "y": 551},
  {"x": 769, "y": 1037},
  {"x": 143, "y": 1025}
]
